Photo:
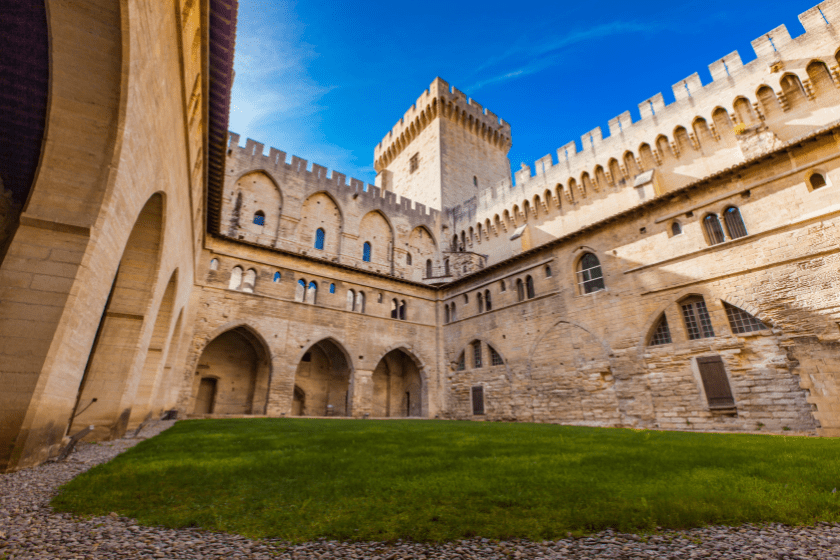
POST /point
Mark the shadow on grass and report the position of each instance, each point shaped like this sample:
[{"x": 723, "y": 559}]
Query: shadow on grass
[{"x": 301, "y": 479}]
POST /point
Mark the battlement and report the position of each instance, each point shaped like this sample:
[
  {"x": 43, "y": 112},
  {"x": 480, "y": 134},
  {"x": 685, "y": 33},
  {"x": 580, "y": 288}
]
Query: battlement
[
  {"x": 778, "y": 55},
  {"x": 441, "y": 100},
  {"x": 278, "y": 164}
]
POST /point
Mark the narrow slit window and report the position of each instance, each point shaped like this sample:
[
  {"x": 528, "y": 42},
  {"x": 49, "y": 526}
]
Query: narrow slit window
[
  {"x": 414, "y": 163},
  {"x": 529, "y": 286},
  {"x": 408, "y": 259},
  {"x": 446, "y": 313},
  {"x": 366, "y": 252},
  {"x": 741, "y": 321},
  {"x": 662, "y": 334},
  {"x": 428, "y": 268},
  {"x": 480, "y": 301},
  {"x": 320, "y": 235},
  {"x": 520, "y": 290},
  {"x": 488, "y": 304},
  {"x": 402, "y": 310},
  {"x": 332, "y": 288},
  {"x": 698, "y": 324}
]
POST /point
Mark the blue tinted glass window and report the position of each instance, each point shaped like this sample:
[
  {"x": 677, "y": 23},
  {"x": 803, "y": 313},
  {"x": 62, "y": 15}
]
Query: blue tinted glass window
[
  {"x": 259, "y": 219},
  {"x": 332, "y": 288},
  {"x": 277, "y": 276},
  {"x": 366, "y": 252},
  {"x": 319, "y": 239}
]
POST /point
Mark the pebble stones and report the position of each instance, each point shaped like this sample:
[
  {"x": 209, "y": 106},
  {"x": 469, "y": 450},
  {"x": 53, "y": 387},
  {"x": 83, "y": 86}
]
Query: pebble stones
[{"x": 29, "y": 529}]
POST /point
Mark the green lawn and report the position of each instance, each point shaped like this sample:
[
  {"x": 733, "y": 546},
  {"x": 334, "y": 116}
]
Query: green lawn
[{"x": 301, "y": 479}]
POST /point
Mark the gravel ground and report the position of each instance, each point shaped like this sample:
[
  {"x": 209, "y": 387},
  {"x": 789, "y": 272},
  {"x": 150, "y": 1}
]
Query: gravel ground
[{"x": 29, "y": 529}]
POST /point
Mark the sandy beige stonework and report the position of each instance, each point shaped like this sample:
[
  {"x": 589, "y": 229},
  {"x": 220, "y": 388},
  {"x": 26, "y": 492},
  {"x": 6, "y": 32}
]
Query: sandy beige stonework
[{"x": 681, "y": 273}]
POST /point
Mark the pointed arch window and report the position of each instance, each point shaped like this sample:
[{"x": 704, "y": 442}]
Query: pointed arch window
[
  {"x": 741, "y": 321},
  {"x": 235, "y": 278},
  {"x": 300, "y": 290},
  {"x": 662, "y": 334},
  {"x": 734, "y": 223},
  {"x": 480, "y": 301},
  {"x": 408, "y": 259},
  {"x": 698, "y": 324},
  {"x": 312, "y": 292},
  {"x": 590, "y": 276},
  {"x": 529, "y": 287},
  {"x": 488, "y": 304},
  {"x": 520, "y": 290},
  {"x": 259, "y": 218},
  {"x": 351, "y": 299},
  {"x": 495, "y": 358},
  {"x": 249, "y": 281},
  {"x": 366, "y": 252},
  {"x": 320, "y": 236},
  {"x": 713, "y": 229}
]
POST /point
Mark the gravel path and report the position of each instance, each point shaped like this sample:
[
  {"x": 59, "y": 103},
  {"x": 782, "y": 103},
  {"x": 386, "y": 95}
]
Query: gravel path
[{"x": 29, "y": 529}]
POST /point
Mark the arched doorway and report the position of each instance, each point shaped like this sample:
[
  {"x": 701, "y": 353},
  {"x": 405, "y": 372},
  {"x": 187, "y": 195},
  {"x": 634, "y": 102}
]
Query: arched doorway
[
  {"x": 232, "y": 375},
  {"x": 322, "y": 382},
  {"x": 397, "y": 386}
]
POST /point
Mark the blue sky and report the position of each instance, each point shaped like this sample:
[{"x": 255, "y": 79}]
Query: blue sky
[{"x": 326, "y": 81}]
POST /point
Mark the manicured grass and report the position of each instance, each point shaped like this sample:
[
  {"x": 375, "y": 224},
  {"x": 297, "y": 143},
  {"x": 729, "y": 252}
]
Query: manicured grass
[{"x": 301, "y": 479}]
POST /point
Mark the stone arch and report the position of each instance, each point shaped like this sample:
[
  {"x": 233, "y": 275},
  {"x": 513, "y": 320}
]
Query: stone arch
[
  {"x": 652, "y": 320},
  {"x": 399, "y": 383},
  {"x": 454, "y": 362},
  {"x": 263, "y": 194},
  {"x": 324, "y": 373},
  {"x": 320, "y": 210},
  {"x": 376, "y": 229},
  {"x": 235, "y": 355}
]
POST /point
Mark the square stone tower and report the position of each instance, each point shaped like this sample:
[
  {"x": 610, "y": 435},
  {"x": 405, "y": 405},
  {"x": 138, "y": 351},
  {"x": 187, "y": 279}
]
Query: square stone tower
[{"x": 444, "y": 150}]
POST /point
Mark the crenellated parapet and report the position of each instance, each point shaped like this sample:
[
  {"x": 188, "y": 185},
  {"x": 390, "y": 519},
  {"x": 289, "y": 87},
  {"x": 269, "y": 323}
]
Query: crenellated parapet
[
  {"x": 441, "y": 100},
  {"x": 252, "y": 157}
]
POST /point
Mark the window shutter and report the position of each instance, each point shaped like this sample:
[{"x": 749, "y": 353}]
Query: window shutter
[
  {"x": 715, "y": 382},
  {"x": 478, "y": 400}
]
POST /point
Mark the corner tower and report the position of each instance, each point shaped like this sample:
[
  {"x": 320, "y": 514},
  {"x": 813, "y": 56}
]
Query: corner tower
[{"x": 444, "y": 150}]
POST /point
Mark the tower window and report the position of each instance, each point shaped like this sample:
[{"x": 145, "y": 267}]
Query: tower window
[
  {"x": 320, "y": 234},
  {"x": 414, "y": 163},
  {"x": 366, "y": 252}
]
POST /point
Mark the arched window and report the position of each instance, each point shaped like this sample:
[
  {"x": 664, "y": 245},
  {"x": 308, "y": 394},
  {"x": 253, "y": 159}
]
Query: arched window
[
  {"x": 249, "y": 280},
  {"x": 214, "y": 264},
  {"x": 379, "y": 298},
  {"x": 529, "y": 287},
  {"x": 466, "y": 298},
  {"x": 461, "y": 364},
  {"x": 395, "y": 309},
  {"x": 734, "y": 223},
  {"x": 300, "y": 290},
  {"x": 698, "y": 324},
  {"x": 429, "y": 268},
  {"x": 332, "y": 288},
  {"x": 446, "y": 313},
  {"x": 454, "y": 242},
  {"x": 547, "y": 271},
  {"x": 277, "y": 276},
  {"x": 351, "y": 299},
  {"x": 520, "y": 290},
  {"x": 312, "y": 292},
  {"x": 259, "y": 218},
  {"x": 676, "y": 228},
  {"x": 453, "y": 315},
  {"x": 475, "y": 180},
  {"x": 480, "y": 301},
  {"x": 816, "y": 181},
  {"x": 360, "y": 302},
  {"x": 713, "y": 229},
  {"x": 408, "y": 259},
  {"x": 235, "y": 278},
  {"x": 366, "y": 252},
  {"x": 402, "y": 310},
  {"x": 503, "y": 287},
  {"x": 741, "y": 321},
  {"x": 320, "y": 236},
  {"x": 488, "y": 305},
  {"x": 495, "y": 358},
  {"x": 590, "y": 276},
  {"x": 662, "y": 334}
]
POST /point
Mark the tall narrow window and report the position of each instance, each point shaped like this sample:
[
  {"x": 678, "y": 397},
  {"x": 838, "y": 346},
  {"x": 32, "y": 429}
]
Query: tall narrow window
[
  {"x": 495, "y": 358},
  {"x": 259, "y": 218},
  {"x": 428, "y": 268},
  {"x": 312, "y": 292},
  {"x": 529, "y": 287},
  {"x": 320, "y": 235},
  {"x": 520, "y": 290},
  {"x": 488, "y": 304},
  {"x": 475, "y": 181},
  {"x": 249, "y": 280},
  {"x": 734, "y": 223},
  {"x": 332, "y": 288},
  {"x": 453, "y": 314},
  {"x": 408, "y": 259},
  {"x": 351, "y": 299},
  {"x": 715, "y": 382},
  {"x": 445, "y": 267},
  {"x": 366, "y": 252},
  {"x": 461, "y": 364},
  {"x": 662, "y": 334},
  {"x": 478, "y": 400},
  {"x": 235, "y": 278},
  {"x": 402, "y": 310},
  {"x": 698, "y": 324},
  {"x": 395, "y": 309},
  {"x": 480, "y": 301},
  {"x": 741, "y": 321},
  {"x": 713, "y": 229},
  {"x": 503, "y": 287},
  {"x": 676, "y": 228},
  {"x": 300, "y": 290},
  {"x": 446, "y": 313},
  {"x": 590, "y": 276},
  {"x": 547, "y": 271},
  {"x": 476, "y": 354},
  {"x": 414, "y": 163},
  {"x": 360, "y": 302},
  {"x": 277, "y": 277}
]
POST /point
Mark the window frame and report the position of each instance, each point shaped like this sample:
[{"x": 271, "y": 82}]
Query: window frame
[
  {"x": 367, "y": 251},
  {"x": 734, "y": 229},
  {"x": 704, "y": 329},
  {"x": 712, "y": 236},
  {"x": 259, "y": 214},
  {"x": 587, "y": 283},
  {"x": 320, "y": 238},
  {"x": 477, "y": 355}
]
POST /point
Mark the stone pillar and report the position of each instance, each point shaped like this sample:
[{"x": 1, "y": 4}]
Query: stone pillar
[{"x": 361, "y": 394}]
